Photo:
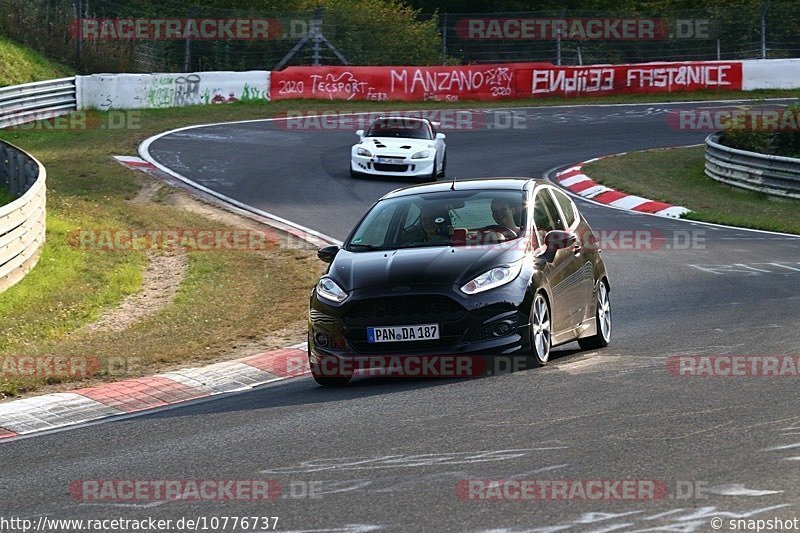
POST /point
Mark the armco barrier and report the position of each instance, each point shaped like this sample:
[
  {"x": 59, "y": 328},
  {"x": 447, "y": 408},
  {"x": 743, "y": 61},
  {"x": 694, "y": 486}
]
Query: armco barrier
[
  {"x": 22, "y": 222},
  {"x": 769, "y": 174},
  {"x": 36, "y": 101}
]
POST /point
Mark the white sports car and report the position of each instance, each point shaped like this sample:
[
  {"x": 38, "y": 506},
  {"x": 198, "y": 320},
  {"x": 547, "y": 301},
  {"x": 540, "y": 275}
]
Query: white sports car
[{"x": 400, "y": 146}]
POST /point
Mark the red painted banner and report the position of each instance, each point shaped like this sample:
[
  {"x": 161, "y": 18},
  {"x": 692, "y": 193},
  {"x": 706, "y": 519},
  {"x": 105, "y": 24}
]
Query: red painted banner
[
  {"x": 471, "y": 82},
  {"x": 629, "y": 79},
  {"x": 499, "y": 81}
]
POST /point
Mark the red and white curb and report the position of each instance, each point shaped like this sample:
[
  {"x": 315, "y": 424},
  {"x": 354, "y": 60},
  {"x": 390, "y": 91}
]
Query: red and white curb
[
  {"x": 582, "y": 185},
  {"x": 53, "y": 411},
  {"x": 136, "y": 163}
]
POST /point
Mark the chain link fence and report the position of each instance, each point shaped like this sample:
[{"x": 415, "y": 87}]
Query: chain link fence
[
  {"x": 365, "y": 35},
  {"x": 751, "y": 31}
]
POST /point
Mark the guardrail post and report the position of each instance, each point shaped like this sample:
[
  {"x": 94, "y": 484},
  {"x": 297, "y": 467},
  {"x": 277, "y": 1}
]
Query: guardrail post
[
  {"x": 4, "y": 176},
  {"x": 13, "y": 173},
  {"x": 31, "y": 173}
]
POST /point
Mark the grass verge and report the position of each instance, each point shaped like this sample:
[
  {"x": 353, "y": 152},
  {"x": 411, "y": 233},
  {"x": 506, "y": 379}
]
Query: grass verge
[
  {"x": 676, "y": 176},
  {"x": 226, "y": 304},
  {"x": 5, "y": 197},
  {"x": 19, "y": 64}
]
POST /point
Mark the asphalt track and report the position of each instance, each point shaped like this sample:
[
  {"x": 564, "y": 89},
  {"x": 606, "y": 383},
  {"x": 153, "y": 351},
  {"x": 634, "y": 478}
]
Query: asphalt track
[{"x": 389, "y": 453}]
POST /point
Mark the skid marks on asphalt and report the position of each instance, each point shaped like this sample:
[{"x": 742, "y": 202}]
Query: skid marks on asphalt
[
  {"x": 789, "y": 448},
  {"x": 622, "y": 364},
  {"x": 407, "y": 460},
  {"x": 681, "y": 519},
  {"x": 752, "y": 269},
  {"x": 389, "y": 474}
]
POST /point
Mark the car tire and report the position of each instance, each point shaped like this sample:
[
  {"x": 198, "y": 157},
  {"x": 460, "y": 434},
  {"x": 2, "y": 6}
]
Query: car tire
[
  {"x": 602, "y": 318},
  {"x": 540, "y": 332},
  {"x": 432, "y": 176}
]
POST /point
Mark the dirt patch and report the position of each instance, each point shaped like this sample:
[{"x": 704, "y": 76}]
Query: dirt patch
[{"x": 160, "y": 282}]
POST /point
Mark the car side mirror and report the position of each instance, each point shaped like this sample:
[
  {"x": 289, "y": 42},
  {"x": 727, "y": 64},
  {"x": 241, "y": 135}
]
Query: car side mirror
[
  {"x": 556, "y": 240},
  {"x": 360, "y": 134},
  {"x": 440, "y": 136},
  {"x": 327, "y": 253}
]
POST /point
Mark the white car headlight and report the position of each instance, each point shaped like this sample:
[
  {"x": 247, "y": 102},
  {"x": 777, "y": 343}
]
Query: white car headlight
[
  {"x": 363, "y": 151},
  {"x": 421, "y": 155},
  {"x": 329, "y": 290},
  {"x": 493, "y": 278}
]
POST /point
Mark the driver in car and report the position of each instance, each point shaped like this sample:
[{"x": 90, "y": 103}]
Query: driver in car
[
  {"x": 434, "y": 226},
  {"x": 505, "y": 214}
]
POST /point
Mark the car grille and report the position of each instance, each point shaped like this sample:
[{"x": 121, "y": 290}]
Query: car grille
[
  {"x": 384, "y": 167},
  {"x": 401, "y": 311}
]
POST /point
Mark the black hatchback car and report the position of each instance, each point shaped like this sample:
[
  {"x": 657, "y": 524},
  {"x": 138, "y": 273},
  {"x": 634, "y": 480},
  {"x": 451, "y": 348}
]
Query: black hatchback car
[{"x": 502, "y": 266}]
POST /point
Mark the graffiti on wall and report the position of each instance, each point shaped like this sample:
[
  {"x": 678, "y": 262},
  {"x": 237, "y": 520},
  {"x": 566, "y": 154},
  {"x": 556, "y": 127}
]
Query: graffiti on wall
[{"x": 170, "y": 90}]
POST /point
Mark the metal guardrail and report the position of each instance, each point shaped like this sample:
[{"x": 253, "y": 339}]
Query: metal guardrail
[
  {"x": 770, "y": 174},
  {"x": 37, "y": 101},
  {"x": 22, "y": 222}
]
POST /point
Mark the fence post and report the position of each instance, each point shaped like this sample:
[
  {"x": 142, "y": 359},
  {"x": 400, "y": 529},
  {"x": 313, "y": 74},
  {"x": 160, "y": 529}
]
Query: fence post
[
  {"x": 316, "y": 42},
  {"x": 79, "y": 30},
  {"x": 764, "y": 30},
  {"x": 558, "y": 46},
  {"x": 187, "y": 52},
  {"x": 444, "y": 38}
]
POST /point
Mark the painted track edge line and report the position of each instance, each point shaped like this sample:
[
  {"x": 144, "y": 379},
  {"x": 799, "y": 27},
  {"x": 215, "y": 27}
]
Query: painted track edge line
[{"x": 144, "y": 152}]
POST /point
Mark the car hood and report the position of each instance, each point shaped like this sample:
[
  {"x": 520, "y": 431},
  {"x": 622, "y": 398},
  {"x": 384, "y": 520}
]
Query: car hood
[
  {"x": 395, "y": 145},
  {"x": 414, "y": 266}
]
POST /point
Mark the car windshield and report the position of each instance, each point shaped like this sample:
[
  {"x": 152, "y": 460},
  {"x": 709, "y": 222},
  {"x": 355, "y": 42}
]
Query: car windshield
[
  {"x": 401, "y": 127},
  {"x": 452, "y": 218}
]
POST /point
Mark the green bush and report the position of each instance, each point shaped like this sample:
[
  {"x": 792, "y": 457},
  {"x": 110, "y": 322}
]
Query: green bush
[
  {"x": 740, "y": 134},
  {"x": 381, "y": 32}
]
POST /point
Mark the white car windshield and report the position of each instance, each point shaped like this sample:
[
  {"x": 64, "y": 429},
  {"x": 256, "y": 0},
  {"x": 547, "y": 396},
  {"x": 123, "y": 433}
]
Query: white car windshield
[{"x": 400, "y": 127}]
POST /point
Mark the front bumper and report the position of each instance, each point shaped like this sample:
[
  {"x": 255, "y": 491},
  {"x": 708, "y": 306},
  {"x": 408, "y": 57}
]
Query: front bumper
[
  {"x": 402, "y": 167},
  {"x": 468, "y": 325}
]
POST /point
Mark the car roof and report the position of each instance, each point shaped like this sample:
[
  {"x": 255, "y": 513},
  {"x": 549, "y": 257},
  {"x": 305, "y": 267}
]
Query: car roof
[
  {"x": 511, "y": 184},
  {"x": 407, "y": 120},
  {"x": 401, "y": 117}
]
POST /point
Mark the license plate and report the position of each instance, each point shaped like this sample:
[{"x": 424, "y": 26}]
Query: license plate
[
  {"x": 389, "y": 160},
  {"x": 420, "y": 332}
]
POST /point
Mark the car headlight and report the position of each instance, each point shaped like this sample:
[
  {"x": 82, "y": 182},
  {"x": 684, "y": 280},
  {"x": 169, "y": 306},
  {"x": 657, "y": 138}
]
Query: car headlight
[
  {"x": 329, "y": 290},
  {"x": 421, "y": 155},
  {"x": 493, "y": 278},
  {"x": 363, "y": 151}
]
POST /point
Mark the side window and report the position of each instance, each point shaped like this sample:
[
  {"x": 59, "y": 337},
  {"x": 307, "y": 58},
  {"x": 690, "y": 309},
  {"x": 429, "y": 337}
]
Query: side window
[
  {"x": 566, "y": 207},
  {"x": 545, "y": 214}
]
